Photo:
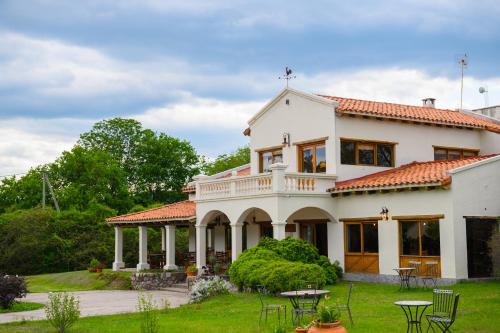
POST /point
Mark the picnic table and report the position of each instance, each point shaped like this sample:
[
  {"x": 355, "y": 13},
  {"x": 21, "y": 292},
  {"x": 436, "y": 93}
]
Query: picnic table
[
  {"x": 404, "y": 276},
  {"x": 413, "y": 318}
]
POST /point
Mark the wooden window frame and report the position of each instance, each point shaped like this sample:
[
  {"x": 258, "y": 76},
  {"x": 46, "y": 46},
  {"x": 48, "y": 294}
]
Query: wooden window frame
[
  {"x": 460, "y": 149},
  {"x": 375, "y": 144},
  {"x": 420, "y": 223},
  {"x": 363, "y": 253},
  {"x": 261, "y": 157},
  {"x": 313, "y": 145}
]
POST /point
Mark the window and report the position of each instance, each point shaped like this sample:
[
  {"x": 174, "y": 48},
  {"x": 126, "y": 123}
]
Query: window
[
  {"x": 360, "y": 152},
  {"x": 447, "y": 153},
  {"x": 362, "y": 237},
  {"x": 312, "y": 158},
  {"x": 420, "y": 238},
  {"x": 270, "y": 157}
]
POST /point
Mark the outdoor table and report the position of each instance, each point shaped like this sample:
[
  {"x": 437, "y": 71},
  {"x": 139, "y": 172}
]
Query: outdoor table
[
  {"x": 404, "y": 276},
  {"x": 307, "y": 293},
  {"x": 413, "y": 318}
]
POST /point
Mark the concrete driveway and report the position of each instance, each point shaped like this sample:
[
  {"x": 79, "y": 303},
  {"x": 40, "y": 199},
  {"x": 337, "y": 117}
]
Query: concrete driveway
[{"x": 98, "y": 302}]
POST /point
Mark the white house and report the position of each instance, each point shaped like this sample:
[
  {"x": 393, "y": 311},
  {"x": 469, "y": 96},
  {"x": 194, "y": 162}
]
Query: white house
[{"x": 372, "y": 185}]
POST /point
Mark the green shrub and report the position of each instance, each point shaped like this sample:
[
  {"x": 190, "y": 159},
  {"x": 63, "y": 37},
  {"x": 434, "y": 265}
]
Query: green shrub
[
  {"x": 62, "y": 311},
  {"x": 282, "y": 265},
  {"x": 94, "y": 263}
]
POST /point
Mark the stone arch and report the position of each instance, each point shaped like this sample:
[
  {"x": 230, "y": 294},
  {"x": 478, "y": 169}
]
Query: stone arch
[
  {"x": 210, "y": 216},
  {"x": 253, "y": 215},
  {"x": 311, "y": 213}
]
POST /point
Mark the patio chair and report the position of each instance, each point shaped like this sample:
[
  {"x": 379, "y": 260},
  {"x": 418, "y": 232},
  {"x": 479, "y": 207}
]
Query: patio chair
[
  {"x": 414, "y": 274},
  {"x": 305, "y": 304},
  {"x": 444, "y": 310},
  {"x": 346, "y": 306},
  {"x": 431, "y": 273},
  {"x": 268, "y": 307}
]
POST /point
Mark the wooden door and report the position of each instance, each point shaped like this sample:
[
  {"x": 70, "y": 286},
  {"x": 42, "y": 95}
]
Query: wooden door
[{"x": 361, "y": 247}]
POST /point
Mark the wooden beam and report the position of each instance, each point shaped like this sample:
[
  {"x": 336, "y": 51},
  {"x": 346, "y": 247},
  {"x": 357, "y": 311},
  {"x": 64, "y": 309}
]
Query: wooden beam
[
  {"x": 418, "y": 217},
  {"x": 360, "y": 219}
]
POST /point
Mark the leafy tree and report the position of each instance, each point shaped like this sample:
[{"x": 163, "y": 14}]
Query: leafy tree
[
  {"x": 228, "y": 161},
  {"x": 25, "y": 192}
]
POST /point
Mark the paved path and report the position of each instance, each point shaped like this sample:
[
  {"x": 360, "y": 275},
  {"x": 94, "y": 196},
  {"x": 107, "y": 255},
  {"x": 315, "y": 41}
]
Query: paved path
[{"x": 98, "y": 302}]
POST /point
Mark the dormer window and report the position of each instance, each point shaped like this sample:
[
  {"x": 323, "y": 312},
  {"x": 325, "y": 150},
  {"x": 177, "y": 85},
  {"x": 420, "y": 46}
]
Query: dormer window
[
  {"x": 269, "y": 157},
  {"x": 312, "y": 157},
  {"x": 362, "y": 152},
  {"x": 453, "y": 153}
]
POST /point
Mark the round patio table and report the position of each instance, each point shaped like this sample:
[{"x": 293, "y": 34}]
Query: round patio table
[
  {"x": 304, "y": 293},
  {"x": 413, "y": 318},
  {"x": 404, "y": 276}
]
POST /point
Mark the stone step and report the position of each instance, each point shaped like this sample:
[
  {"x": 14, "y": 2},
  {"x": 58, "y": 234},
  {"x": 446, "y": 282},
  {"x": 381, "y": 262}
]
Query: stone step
[{"x": 178, "y": 288}]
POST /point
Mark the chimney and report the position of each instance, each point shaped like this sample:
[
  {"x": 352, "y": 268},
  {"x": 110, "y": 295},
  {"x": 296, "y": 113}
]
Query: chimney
[{"x": 429, "y": 102}]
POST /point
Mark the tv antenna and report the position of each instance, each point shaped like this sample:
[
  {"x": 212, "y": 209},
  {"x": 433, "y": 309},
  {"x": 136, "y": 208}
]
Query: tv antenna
[
  {"x": 484, "y": 91},
  {"x": 288, "y": 75},
  {"x": 463, "y": 62}
]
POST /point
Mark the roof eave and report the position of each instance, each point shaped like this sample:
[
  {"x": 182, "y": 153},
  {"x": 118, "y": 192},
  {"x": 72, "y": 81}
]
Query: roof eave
[{"x": 390, "y": 187}]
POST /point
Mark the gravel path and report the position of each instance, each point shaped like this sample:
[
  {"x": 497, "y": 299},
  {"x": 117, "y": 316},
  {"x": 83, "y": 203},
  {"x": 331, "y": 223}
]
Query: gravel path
[{"x": 98, "y": 302}]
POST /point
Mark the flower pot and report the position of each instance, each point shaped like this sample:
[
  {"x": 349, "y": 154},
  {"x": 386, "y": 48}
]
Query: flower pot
[
  {"x": 191, "y": 273},
  {"x": 92, "y": 270},
  {"x": 98, "y": 270},
  {"x": 335, "y": 327},
  {"x": 301, "y": 330}
]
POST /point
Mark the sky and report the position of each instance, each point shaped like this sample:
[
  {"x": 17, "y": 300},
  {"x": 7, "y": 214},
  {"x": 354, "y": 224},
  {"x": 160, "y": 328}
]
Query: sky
[{"x": 199, "y": 70}]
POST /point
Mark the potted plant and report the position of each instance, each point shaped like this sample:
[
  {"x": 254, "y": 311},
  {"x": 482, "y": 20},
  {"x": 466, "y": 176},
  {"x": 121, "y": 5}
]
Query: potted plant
[
  {"x": 302, "y": 328},
  {"x": 94, "y": 263},
  {"x": 217, "y": 269},
  {"x": 192, "y": 270},
  {"x": 99, "y": 267},
  {"x": 327, "y": 321}
]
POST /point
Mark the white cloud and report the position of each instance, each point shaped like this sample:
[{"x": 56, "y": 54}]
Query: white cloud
[
  {"x": 28, "y": 142},
  {"x": 204, "y": 113}
]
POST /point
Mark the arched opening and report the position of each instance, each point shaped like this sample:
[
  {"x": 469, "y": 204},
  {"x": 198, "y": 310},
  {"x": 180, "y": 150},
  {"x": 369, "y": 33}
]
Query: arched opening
[
  {"x": 218, "y": 239},
  {"x": 311, "y": 224},
  {"x": 256, "y": 224}
]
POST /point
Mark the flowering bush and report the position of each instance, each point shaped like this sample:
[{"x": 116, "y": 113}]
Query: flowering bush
[
  {"x": 11, "y": 287},
  {"x": 206, "y": 288}
]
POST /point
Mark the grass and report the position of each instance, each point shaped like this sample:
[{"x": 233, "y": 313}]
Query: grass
[
  {"x": 22, "y": 306},
  {"x": 77, "y": 281},
  {"x": 372, "y": 306}
]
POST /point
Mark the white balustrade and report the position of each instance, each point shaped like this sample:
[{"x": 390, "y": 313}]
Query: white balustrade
[{"x": 239, "y": 186}]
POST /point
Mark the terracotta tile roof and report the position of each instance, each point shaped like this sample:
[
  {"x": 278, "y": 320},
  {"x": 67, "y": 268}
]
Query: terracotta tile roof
[
  {"x": 242, "y": 172},
  {"x": 183, "y": 210},
  {"x": 410, "y": 112},
  {"x": 415, "y": 173}
]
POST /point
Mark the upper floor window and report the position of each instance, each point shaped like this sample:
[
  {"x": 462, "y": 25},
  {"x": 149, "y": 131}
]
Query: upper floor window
[
  {"x": 450, "y": 153},
  {"x": 360, "y": 152},
  {"x": 269, "y": 157},
  {"x": 312, "y": 157}
]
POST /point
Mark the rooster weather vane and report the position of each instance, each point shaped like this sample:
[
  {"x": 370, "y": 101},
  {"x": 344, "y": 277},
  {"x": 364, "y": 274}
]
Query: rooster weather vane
[{"x": 288, "y": 75}]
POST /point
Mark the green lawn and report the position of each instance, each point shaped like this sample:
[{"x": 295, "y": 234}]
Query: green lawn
[
  {"x": 22, "y": 306},
  {"x": 75, "y": 281},
  {"x": 372, "y": 306}
]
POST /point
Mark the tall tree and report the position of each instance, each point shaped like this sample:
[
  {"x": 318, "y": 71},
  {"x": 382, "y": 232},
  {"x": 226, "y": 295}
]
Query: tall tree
[{"x": 228, "y": 161}]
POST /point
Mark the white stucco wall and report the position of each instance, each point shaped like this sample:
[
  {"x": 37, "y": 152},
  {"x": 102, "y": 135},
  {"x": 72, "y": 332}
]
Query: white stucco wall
[
  {"x": 403, "y": 203},
  {"x": 414, "y": 142},
  {"x": 475, "y": 192},
  {"x": 304, "y": 119},
  {"x": 490, "y": 142}
]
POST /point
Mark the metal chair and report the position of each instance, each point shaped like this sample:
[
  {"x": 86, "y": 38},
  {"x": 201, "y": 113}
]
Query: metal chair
[
  {"x": 414, "y": 275},
  {"x": 346, "y": 305},
  {"x": 431, "y": 273},
  {"x": 444, "y": 310},
  {"x": 305, "y": 304},
  {"x": 267, "y": 307}
]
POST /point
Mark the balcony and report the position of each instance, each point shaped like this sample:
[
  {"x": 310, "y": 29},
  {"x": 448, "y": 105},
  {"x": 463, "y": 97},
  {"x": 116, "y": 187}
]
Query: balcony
[{"x": 276, "y": 181}]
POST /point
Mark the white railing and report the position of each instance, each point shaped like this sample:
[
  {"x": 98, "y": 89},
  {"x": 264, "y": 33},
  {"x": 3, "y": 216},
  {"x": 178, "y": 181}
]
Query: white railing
[{"x": 266, "y": 183}]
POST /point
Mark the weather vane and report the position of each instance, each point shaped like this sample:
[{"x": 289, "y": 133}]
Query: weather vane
[{"x": 288, "y": 75}]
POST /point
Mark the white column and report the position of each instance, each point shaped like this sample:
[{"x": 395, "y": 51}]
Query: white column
[
  {"x": 201, "y": 246},
  {"x": 278, "y": 174},
  {"x": 279, "y": 230},
  {"x": 118, "y": 263},
  {"x": 163, "y": 239},
  {"x": 388, "y": 246},
  {"x": 143, "y": 248},
  {"x": 236, "y": 241},
  {"x": 170, "y": 247}
]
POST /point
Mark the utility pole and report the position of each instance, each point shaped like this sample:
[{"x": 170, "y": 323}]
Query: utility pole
[
  {"x": 45, "y": 179},
  {"x": 463, "y": 63}
]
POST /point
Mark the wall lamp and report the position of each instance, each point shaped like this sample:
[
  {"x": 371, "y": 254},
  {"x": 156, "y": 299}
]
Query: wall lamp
[{"x": 384, "y": 214}]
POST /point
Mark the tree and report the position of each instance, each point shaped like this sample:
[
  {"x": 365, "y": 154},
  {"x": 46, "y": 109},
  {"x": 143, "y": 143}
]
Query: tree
[
  {"x": 82, "y": 176},
  {"x": 228, "y": 161},
  {"x": 25, "y": 192}
]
